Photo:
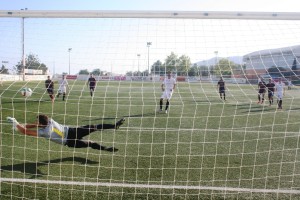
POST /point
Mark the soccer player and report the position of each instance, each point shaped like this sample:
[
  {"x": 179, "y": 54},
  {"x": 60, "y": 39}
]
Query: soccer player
[
  {"x": 271, "y": 88},
  {"x": 221, "y": 85},
  {"x": 168, "y": 86},
  {"x": 92, "y": 84},
  {"x": 290, "y": 85},
  {"x": 50, "y": 88},
  {"x": 63, "y": 84},
  {"x": 280, "y": 90},
  {"x": 261, "y": 91},
  {"x": 69, "y": 136}
]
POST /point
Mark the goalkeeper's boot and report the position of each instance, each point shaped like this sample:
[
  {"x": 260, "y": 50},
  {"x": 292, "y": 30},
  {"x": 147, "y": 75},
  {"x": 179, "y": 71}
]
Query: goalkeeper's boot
[{"x": 119, "y": 123}]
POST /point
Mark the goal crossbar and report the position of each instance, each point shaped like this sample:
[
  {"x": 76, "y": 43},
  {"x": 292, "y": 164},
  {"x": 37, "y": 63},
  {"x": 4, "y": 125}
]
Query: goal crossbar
[{"x": 150, "y": 14}]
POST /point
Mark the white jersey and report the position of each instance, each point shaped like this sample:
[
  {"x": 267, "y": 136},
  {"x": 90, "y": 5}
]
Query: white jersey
[
  {"x": 169, "y": 83},
  {"x": 54, "y": 132},
  {"x": 280, "y": 89},
  {"x": 63, "y": 85}
]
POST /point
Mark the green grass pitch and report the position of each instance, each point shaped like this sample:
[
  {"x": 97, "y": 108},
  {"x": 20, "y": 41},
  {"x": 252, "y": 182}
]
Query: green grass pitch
[{"x": 203, "y": 148}]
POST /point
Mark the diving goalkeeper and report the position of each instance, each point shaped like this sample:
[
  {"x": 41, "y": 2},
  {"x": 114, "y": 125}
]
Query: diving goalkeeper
[{"x": 62, "y": 134}]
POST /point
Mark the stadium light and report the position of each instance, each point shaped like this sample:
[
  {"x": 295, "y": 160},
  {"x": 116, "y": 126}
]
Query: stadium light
[
  {"x": 70, "y": 49},
  {"x": 138, "y": 55},
  {"x": 148, "y": 45}
]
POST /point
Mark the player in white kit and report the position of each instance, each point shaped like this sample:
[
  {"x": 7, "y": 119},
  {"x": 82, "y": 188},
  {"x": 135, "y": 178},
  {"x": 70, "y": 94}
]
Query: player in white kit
[
  {"x": 280, "y": 90},
  {"x": 63, "y": 85},
  {"x": 168, "y": 86}
]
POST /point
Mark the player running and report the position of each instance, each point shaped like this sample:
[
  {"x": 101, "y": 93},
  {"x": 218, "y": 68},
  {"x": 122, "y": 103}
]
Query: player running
[
  {"x": 261, "y": 91},
  {"x": 69, "y": 136},
  {"x": 280, "y": 90},
  {"x": 271, "y": 89},
  {"x": 168, "y": 86},
  {"x": 49, "y": 84},
  {"x": 221, "y": 85},
  {"x": 92, "y": 84},
  {"x": 63, "y": 85}
]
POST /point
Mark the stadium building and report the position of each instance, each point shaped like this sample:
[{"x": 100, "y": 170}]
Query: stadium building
[
  {"x": 265, "y": 59},
  {"x": 258, "y": 62}
]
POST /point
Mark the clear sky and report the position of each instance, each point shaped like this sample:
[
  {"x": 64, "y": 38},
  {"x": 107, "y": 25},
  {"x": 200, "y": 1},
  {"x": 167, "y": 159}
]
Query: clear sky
[{"x": 113, "y": 44}]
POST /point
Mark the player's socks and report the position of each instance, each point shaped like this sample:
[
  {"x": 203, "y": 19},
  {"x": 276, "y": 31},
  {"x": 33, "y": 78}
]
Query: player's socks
[
  {"x": 167, "y": 105},
  {"x": 160, "y": 104}
]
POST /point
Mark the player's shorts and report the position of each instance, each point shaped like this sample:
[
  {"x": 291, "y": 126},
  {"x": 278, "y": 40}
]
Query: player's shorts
[
  {"x": 270, "y": 94},
  {"x": 261, "y": 91},
  {"x": 50, "y": 90},
  {"x": 221, "y": 90},
  {"x": 167, "y": 94},
  {"x": 92, "y": 88},
  {"x": 279, "y": 95},
  {"x": 62, "y": 90}
]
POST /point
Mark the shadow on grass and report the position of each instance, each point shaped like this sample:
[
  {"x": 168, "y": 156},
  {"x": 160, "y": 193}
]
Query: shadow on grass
[
  {"x": 24, "y": 101},
  {"x": 252, "y": 108},
  {"x": 32, "y": 167},
  {"x": 128, "y": 116}
]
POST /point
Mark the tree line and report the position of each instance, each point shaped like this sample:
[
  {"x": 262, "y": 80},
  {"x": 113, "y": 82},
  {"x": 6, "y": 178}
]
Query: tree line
[{"x": 179, "y": 65}]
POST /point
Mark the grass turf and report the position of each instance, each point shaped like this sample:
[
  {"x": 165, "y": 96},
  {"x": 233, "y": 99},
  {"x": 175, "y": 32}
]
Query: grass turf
[{"x": 202, "y": 141}]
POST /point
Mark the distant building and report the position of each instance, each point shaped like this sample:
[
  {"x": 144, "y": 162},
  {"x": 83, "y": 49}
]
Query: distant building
[{"x": 280, "y": 57}]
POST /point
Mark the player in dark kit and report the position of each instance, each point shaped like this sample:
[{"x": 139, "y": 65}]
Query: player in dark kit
[
  {"x": 50, "y": 88},
  {"x": 261, "y": 91},
  {"x": 271, "y": 88},
  {"x": 92, "y": 84},
  {"x": 221, "y": 85}
]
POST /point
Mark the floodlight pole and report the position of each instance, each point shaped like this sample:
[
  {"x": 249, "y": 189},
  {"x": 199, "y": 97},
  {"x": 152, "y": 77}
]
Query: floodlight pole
[
  {"x": 148, "y": 45},
  {"x": 216, "y": 53},
  {"x": 70, "y": 49},
  {"x": 138, "y": 55}
]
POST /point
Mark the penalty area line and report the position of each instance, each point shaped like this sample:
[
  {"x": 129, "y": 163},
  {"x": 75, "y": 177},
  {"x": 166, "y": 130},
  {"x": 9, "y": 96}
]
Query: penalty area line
[{"x": 154, "y": 186}]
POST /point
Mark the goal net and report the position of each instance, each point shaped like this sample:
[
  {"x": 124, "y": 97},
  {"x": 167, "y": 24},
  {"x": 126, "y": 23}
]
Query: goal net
[{"x": 236, "y": 142}]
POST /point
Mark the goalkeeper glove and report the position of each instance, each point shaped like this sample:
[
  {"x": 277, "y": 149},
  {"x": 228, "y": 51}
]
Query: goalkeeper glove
[{"x": 14, "y": 122}]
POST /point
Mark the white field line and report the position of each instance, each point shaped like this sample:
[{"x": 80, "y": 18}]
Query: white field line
[{"x": 126, "y": 185}]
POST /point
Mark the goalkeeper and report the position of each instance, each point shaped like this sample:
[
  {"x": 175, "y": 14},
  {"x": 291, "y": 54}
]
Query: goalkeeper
[{"x": 65, "y": 135}]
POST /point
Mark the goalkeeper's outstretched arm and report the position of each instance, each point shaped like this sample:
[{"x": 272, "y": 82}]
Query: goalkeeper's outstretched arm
[
  {"x": 26, "y": 131},
  {"x": 23, "y": 128}
]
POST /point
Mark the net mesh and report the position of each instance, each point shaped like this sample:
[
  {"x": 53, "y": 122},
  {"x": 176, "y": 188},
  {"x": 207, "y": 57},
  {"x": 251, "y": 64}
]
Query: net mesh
[{"x": 204, "y": 147}]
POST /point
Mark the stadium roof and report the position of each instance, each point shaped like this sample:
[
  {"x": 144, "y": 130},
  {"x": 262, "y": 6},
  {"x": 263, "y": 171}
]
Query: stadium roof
[{"x": 281, "y": 51}]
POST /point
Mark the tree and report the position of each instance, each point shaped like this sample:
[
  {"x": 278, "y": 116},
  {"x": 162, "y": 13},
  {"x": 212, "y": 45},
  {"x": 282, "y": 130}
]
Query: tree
[
  {"x": 97, "y": 72},
  {"x": 204, "y": 70},
  {"x": 84, "y": 71},
  {"x": 184, "y": 65},
  {"x": 294, "y": 67},
  {"x": 171, "y": 62},
  {"x": 276, "y": 71},
  {"x": 157, "y": 67},
  {"x": 194, "y": 71},
  {"x": 224, "y": 67},
  {"x": 180, "y": 64},
  {"x": 3, "y": 70},
  {"x": 31, "y": 62}
]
